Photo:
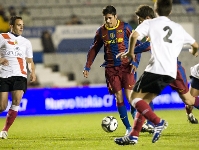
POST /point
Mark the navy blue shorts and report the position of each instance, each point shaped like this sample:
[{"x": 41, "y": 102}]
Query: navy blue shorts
[
  {"x": 152, "y": 83},
  {"x": 13, "y": 83}
]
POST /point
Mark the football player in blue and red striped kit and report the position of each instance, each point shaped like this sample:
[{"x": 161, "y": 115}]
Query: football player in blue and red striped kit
[{"x": 114, "y": 36}]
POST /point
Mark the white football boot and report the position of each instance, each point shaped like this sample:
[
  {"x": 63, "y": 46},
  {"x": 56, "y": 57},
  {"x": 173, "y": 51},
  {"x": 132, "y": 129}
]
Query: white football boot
[{"x": 3, "y": 134}]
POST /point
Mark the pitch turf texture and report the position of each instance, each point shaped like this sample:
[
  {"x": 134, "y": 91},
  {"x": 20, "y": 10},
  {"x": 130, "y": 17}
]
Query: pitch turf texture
[{"x": 84, "y": 132}]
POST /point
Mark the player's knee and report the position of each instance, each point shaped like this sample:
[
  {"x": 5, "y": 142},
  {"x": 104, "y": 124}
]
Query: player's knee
[
  {"x": 135, "y": 100},
  {"x": 119, "y": 97},
  {"x": 190, "y": 101}
]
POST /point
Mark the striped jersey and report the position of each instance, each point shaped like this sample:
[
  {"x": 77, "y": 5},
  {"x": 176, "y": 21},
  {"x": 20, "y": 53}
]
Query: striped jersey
[
  {"x": 15, "y": 49},
  {"x": 167, "y": 39},
  {"x": 115, "y": 40}
]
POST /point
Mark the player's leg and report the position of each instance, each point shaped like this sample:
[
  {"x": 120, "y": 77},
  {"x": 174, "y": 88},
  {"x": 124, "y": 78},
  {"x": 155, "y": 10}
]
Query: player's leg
[
  {"x": 133, "y": 111},
  {"x": 144, "y": 111},
  {"x": 4, "y": 91},
  {"x": 113, "y": 81},
  {"x": 132, "y": 138},
  {"x": 181, "y": 73},
  {"x": 13, "y": 111},
  {"x": 128, "y": 78},
  {"x": 181, "y": 86},
  {"x": 3, "y": 106},
  {"x": 190, "y": 115},
  {"x": 3, "y": 101},
  {"x": 187, "y": 98},
  {"x": 18, "y": 87},
  {"x": 128, "y": 82},
  {"x": 143, "y": 93},
  {"x": 148, "y": 126},
  {"x": 122, "y": 111}
]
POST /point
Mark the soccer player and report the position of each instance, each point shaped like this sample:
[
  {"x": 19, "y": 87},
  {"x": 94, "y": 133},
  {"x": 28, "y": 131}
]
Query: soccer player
[
  {"x": 167, "y": 39},
  {"x": 180, "y": 84},
  {"x": 17, "y": 50},
  {"x": 114, "y": 36}
]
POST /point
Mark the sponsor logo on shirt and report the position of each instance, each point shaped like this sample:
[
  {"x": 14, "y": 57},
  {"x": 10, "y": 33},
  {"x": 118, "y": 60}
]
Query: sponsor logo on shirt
[{"x": 16, "y": 52}]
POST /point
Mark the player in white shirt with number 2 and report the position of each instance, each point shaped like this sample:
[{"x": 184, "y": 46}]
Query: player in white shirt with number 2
[{"x": 167, "y": 39}]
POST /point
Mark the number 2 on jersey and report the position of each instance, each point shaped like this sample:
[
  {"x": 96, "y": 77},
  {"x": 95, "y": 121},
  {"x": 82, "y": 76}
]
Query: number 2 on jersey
[{"x": 166, "y": 38}]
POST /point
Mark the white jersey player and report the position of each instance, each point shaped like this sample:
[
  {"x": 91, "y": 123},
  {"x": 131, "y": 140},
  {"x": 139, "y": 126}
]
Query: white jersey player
[
  {"x": 15, "y": 52},
  {"x": 15, "y": 49},
  {"x": 166, "y": 44},
  {"x": 167, "y": 39}
]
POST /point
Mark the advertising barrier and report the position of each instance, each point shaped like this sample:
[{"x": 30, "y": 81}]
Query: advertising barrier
[{"x": 48, "y": 101}]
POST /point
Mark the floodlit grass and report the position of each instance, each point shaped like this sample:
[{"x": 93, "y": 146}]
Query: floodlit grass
[{"x": 84, "y": 132}]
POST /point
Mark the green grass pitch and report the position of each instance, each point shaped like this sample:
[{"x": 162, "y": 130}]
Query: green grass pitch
[{"x": 84, "y": 132}]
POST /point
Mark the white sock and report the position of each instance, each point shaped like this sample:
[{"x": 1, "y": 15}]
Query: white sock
[
  {"x": 133, "y": 103},
  {"x": 14, "y": 107}
]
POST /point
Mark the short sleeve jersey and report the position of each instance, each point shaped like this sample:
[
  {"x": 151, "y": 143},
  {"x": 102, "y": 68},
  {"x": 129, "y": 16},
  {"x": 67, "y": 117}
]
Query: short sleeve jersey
[
  {"x": 15, "y": 49},
  {"x": 167, "y": 39}
]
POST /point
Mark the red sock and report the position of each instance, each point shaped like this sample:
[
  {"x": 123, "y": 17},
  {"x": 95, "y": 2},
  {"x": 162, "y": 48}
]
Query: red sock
[
  {"x": 188, "y": 109},
  {"x": 120, "y": 104},
  {"x": 144, "y": 108},
  {"x": 138, "y": 122},
  {"x": 11, "y": 115}
]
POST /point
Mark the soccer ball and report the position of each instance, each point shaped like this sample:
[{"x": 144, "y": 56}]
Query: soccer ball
[{"x": 109, "y": 124}]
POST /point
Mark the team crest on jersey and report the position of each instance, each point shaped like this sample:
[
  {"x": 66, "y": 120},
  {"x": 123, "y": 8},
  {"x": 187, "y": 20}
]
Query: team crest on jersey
[
  {"x": 15, "y": 42},
  {"x": 112, "y": 35}
]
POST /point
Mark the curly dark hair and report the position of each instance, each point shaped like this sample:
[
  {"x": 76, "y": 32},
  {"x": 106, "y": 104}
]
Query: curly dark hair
[{"x": 144, "y": 10}]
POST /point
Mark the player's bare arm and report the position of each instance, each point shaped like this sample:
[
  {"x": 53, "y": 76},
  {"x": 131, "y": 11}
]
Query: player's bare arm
[
  {"x": 31, "y": 67},
  {"x": 4, "y": 62},
  {"x": 194, "y": 49}
]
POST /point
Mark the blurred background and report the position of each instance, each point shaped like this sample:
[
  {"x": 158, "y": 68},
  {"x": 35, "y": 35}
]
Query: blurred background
[{"x": 61, "y": 32}]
